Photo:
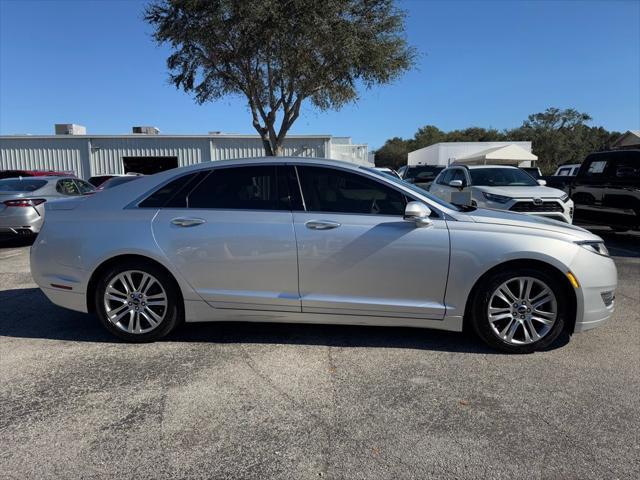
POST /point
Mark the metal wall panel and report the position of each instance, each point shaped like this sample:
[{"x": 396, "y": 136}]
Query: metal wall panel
[
  {"x": 230, "y": 148},
  {"x": 107, "y": 153},
  {"x": 59, "y": 154}
]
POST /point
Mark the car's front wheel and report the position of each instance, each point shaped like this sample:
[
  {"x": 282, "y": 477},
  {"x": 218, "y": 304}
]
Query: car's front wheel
[
  {"x": 137, "y": 301},
  {"x": 520, "y": 311}
]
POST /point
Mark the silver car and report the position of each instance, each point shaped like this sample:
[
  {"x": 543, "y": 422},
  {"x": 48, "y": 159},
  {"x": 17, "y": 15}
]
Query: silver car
[
  {"x": 317, "y": 241},
  {"x": 23, "y": 199}
]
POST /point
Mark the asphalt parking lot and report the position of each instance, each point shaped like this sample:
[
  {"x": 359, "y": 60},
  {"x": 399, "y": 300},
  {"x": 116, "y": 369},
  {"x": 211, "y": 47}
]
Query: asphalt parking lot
[{"x": 299, "y": 401}]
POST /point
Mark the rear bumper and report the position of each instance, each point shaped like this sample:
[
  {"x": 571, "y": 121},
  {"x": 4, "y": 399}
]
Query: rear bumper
[{"x": 71, "y": 300}]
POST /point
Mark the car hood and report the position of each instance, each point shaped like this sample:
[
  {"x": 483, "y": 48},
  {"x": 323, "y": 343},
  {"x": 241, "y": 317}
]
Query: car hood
[
  {"x": 524, "y": 192},
  {"x": 503, "y": 217}
]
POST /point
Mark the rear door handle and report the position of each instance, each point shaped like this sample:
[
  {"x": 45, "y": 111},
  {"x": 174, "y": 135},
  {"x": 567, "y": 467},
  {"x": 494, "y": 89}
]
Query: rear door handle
[
  {"x": 187, "y": 221},
  {"x": 321, "y": 225}
]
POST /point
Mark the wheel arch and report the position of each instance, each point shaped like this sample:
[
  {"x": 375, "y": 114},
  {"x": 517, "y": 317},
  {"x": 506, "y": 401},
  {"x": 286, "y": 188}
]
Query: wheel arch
[
  {"x": 108, "y": 263},
  {"x": 525, "y": 263}
]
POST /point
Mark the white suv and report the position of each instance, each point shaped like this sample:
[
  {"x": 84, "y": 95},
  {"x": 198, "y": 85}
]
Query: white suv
[{"x": 502, "y": 187}]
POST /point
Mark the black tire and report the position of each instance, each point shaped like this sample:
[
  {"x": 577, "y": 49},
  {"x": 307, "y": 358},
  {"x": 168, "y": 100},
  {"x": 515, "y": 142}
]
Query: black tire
[
  {"x": 482, "y": 297},
  {"x": 172, "y": 316}
]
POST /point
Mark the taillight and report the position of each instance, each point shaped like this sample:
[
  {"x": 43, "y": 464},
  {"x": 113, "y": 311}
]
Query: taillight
[{"x": 28, "y": 202}]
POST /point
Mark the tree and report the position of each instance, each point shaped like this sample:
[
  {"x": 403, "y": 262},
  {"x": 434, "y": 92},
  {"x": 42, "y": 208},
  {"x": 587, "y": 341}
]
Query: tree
[
  {"x": 280, "y": 53},
  {"x": 392, "y": 154}
]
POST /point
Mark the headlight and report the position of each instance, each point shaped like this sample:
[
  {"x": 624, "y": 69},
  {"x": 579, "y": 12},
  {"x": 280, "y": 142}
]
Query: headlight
[
  {"x": 564, "y": 198},
  {"x": 496, "y": 198},
  {"x": 595, "y": 247}
]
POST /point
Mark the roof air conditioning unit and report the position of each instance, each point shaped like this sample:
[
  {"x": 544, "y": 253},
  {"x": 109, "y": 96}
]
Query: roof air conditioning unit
[{"x": 146, "y": 130}]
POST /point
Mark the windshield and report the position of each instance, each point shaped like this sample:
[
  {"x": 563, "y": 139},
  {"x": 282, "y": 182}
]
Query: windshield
[
  {"x": 413, "y": 188},
  {"x": 21, "y": 185},
  {"x": 425, "y": 172},
  {"x": 501, "y": 177}
]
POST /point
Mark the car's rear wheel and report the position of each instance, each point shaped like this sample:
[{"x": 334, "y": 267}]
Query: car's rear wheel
[
  {"x": 520, "y": 311},
  {"x": 137, "y": 301}
]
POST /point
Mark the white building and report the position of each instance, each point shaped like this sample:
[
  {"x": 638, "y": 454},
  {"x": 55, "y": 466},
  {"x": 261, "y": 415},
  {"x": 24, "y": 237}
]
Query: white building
[
  {"x": 149, "y": 152},
  {"x": 447, "y": 153}
]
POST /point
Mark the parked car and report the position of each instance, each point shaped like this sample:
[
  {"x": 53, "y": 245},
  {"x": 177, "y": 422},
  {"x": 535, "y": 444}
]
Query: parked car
[
  {"x": 32, "y": 173},
  {"x": 505, "y": 188},
  {"x": 606, "y": 190},
  {"x": 562, "y": 177},
  {"x": 115, "y": 181},
  {"x": 420, "y": 175},
  {"x": 316, "y": 241},
  {"x": 22, "y": 200}
]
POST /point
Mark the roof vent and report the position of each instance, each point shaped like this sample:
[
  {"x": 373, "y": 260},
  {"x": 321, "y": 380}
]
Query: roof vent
[
  {"x": 70, "y": 129},
  {"x": 146, "y": 130}
]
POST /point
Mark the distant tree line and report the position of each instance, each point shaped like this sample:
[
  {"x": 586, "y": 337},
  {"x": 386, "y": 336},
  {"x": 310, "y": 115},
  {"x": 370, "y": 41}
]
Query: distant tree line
[{"x": 558, "y": 137}]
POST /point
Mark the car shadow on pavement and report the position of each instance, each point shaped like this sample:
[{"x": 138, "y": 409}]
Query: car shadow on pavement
[
  {"x": 27, "y": 313},
  {"x": 16, "y": 242}
]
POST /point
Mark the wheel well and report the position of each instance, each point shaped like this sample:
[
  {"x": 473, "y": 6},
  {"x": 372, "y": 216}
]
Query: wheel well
[
  {"x": 97, "y": 274},
  {"x": 550, "y": 269}
]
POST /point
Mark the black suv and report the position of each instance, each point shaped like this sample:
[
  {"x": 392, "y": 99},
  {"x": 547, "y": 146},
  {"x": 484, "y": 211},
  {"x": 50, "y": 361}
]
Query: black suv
[
  {"x": 420, "y": 175},
  {"x": 606, "y": 189}
]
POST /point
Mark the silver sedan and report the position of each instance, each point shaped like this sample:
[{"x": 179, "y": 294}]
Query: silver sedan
[
  {"x": 317, "y": 241},
  {"x": 22, "y": 200}
]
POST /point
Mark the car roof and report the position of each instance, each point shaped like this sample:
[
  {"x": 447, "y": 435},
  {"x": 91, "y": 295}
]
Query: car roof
[{"x": 473, "y": 167}]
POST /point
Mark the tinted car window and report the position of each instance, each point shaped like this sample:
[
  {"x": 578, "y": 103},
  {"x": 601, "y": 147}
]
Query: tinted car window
[
  {"x": 626, "y": 167},
  {"x": 564, "y": 172},
  {"x": 247, "y": 188},
  {"x": 445, "y": 178},
  {"x": 67, "y": 187},
  {"x": 165, "y": 194},
  {"x": 332, "y": 190},
  {"x": 21, "y": 185},
  {"x": 458, "y": 174}
]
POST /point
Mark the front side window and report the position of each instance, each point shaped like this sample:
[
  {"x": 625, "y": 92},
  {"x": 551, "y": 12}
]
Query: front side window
[
  {"x": 458, "y": 174},
  {"x": 339, "y": 191},
  {"x": 254, "y": 187},
  {"x": 67, "y": 187},
  {"x": 627, "y": 167}
]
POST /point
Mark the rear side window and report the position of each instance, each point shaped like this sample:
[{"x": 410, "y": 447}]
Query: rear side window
[
  {"x": 596, "y": 167},
  {"x": 21, "y": 185},
  {"x": 174, "y": 191},
  {"x": 331, "y": 190},
  {"x": 253, "y": 187},
  {"x": 626, "y": 167},
  {"x": 67, "y": 187}
]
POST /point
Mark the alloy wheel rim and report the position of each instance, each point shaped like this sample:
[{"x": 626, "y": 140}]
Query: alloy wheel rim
[
  {"x": 135, "y": 302},
  {"x": 522, "y": 310}
]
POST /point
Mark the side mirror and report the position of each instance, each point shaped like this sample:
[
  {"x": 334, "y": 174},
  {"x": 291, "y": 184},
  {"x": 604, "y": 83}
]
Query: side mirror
[
  {"x": 418, "y": 213},
  {"x": 542, "y": 183},
  {"x": 455, "y": 183}
]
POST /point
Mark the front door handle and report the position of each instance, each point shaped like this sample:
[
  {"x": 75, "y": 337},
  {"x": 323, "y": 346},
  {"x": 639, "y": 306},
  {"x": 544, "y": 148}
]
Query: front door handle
[
  {"x": 187, "y": 221},
  {"x": 321, "y": 225}
]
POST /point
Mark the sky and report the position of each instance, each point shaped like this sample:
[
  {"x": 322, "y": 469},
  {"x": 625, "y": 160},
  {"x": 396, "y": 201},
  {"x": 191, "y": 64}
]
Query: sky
[{"x": 480, "y": 63}]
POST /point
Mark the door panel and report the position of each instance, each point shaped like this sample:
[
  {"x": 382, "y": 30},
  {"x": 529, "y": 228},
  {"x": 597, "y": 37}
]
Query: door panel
[
  {"x": 234, "y": 258},
  {"x": 372, "y": 265}
]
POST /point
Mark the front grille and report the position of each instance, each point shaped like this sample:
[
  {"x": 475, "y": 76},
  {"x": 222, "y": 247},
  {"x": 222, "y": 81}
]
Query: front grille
[{"x": 533, "y": 207}]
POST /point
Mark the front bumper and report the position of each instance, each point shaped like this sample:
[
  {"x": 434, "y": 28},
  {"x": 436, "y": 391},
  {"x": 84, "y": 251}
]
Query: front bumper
[
  {"x": 557, "y": 209},
  {"x": 598, "y": 278}
]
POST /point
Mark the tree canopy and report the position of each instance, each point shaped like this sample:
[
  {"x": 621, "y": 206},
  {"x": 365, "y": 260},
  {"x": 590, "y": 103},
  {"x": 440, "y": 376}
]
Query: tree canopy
[
  {"x": 279, "y": 53},
  {"x": 557, "y": 136}
]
